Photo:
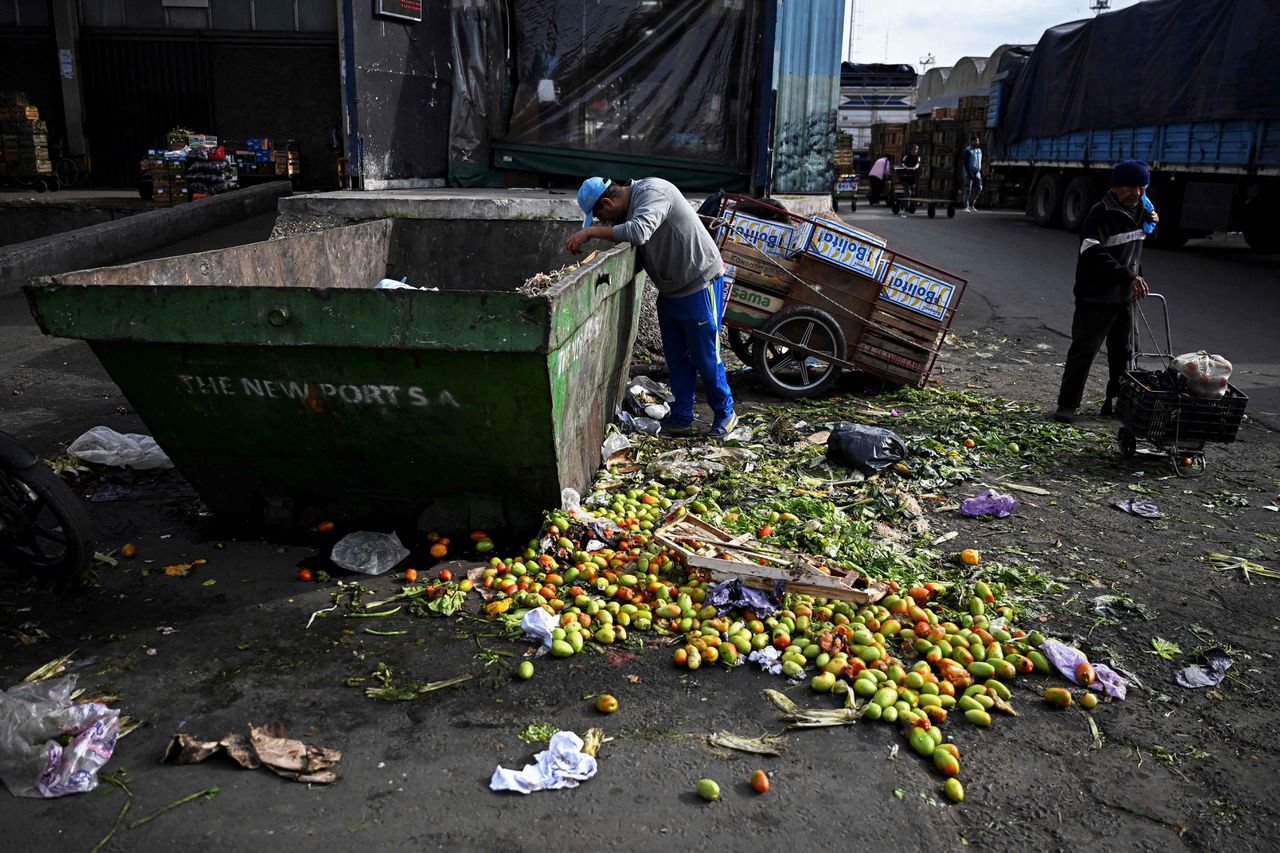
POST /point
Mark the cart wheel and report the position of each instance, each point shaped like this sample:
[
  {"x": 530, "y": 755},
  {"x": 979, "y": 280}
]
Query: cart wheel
[
  {"x": 789, "y": 374},
  {"x": 951, "y": 211},
  {"x": 853, "y": 205},
  {"x": 38, "y": 185},
  {"x": 835, "y": 204},
  {"x": 933, "y": 211},
  {"x": 1128, "y": 442},
  {"x": 742, "y": 345},
  {"x": 894, "y": 207}
]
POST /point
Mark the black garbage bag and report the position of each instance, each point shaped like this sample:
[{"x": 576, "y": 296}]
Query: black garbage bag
[{"x": 867, "y": 448}]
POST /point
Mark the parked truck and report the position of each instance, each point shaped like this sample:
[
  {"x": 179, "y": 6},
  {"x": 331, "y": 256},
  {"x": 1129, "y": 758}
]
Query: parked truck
[{"x": 1192, "y": 87}]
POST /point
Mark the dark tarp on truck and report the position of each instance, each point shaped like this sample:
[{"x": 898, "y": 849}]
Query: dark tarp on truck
[{"x": 1167, "y": 62}]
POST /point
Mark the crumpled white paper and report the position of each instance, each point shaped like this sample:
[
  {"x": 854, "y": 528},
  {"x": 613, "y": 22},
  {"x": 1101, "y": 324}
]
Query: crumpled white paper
[
  {"x": 539, "y": 624},
  {"x": 769, "y": 658},
  {"x": 562, "y": 764}
]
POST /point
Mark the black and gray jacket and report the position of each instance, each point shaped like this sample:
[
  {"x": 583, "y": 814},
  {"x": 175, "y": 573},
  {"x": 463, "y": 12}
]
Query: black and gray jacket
[{"x": 1110, "y": 253}]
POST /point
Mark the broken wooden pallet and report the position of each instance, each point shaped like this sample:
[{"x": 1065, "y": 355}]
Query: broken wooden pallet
[{"x": 726, "y": 556}]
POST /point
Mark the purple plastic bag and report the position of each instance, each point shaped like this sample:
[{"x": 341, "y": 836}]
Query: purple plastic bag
[
  {"x": 989, "y": 502},
  {"x": 1198, "y": 676},
  {"x": 1067, "y": 659},
  {"x": 1146, "y": 509},
  {"x": 732, "y": 594}
]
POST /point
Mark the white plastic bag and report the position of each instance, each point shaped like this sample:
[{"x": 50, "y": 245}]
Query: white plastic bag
[
  {"x": 368, "y": 553},
  {"x": 616, "y": 449},
  {"x": 104, "y": 446},
  {"x": 1207, "y": 375},
  {"x": 32, "y": 762},
  {"x": 649, "y": 399}
]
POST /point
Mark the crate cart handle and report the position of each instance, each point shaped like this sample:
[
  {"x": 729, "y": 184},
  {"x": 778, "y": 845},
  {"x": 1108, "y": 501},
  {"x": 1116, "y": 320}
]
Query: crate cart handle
[{"x": 1135, "y": 334}]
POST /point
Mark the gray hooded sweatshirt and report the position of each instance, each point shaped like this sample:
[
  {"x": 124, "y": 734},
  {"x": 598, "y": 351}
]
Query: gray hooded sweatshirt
[{"x": 675, "y": 248}]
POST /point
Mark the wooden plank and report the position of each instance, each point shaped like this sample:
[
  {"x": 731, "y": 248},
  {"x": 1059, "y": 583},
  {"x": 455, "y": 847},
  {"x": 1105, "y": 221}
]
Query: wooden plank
[
  {"x": 846, "y": 296},
  {"x": 912, "y": 352},
  {"x": 927, "y": 338},
  {"x": 763, "y": 281},
  {"x": 743, "y": 255},
  {"x": 740, "y": 557},
  {"x": 873, "y": 363}
]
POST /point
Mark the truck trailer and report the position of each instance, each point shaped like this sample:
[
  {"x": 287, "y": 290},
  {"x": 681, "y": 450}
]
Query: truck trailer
[{"x": 1192, "y": 87}]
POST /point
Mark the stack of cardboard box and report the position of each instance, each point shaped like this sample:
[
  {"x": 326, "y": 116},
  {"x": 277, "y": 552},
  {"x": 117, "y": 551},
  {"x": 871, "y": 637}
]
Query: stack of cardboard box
[
  {"x": 942, "y": 135},
  {"x": 24, "y": 136}
]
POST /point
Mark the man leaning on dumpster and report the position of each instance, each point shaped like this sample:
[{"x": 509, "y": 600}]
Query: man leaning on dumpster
[
  {"x": 1108, "y": 281},
  {"x": 683, "y": 262}
]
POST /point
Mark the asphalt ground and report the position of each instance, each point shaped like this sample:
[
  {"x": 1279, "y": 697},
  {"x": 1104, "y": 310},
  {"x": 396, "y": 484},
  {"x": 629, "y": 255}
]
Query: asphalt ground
[{"x": 228, "y": 645}]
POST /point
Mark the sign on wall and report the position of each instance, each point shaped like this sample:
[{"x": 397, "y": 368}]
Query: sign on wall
[{"x": 402, "y": 10}]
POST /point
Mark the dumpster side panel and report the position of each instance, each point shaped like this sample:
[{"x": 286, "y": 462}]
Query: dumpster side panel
[
  {"x": 375, "y": 432},
  {"x": 353, "y": 256},
  {"x": 594, "y": 319},
  {"x": 277, "y": 316}
]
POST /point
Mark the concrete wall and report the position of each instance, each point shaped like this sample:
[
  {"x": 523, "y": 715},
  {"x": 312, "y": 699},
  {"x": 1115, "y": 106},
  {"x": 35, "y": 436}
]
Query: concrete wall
[
  {"x": 22, "y": 220},
  {"x": 399, "y": 91},
  {"x": 112, "y": 242}
]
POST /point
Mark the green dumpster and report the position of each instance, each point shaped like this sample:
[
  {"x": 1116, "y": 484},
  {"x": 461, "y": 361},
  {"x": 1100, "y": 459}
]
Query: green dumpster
[{"x": 287, "y": 389}]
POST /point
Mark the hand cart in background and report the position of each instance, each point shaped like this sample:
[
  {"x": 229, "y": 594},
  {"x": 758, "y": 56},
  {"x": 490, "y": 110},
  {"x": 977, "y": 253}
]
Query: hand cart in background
[
  {"x": 845, "y": 187},
  {"x": 1154, "y": 409},
  {"x": 910, "y": 201}
]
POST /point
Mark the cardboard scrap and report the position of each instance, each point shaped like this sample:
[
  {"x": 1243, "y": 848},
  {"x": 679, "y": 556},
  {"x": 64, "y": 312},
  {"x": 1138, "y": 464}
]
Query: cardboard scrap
[{"x": 266, "y": 746}]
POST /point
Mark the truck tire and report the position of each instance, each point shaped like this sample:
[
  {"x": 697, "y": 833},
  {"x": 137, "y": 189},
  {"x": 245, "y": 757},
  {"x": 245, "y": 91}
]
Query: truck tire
[
  {"x": 1261, "y": 226},
  {"x": 1046, "y": 201},
  {"x": 1079, "y": 198}
]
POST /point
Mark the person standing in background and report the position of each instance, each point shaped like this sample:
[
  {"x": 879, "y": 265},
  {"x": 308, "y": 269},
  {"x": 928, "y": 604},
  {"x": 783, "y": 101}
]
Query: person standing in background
[
  {"x": 910, "y": 172},
  {"x": 881, "y": 172},
  {"x": 972, "y": 174},
  {"x": 1108, "y": 281}
]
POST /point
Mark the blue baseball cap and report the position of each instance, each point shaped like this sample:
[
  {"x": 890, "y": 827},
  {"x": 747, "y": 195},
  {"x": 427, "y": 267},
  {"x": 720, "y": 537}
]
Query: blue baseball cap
[{"x": 589, "y": 194}]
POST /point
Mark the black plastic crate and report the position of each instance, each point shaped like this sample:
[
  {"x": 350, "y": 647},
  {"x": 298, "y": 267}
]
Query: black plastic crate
[{"x": 1161, "y": 416}]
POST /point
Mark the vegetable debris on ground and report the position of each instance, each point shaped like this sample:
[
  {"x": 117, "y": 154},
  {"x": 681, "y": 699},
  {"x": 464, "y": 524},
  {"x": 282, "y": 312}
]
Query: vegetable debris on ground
[{"x": 942, "y": 645}]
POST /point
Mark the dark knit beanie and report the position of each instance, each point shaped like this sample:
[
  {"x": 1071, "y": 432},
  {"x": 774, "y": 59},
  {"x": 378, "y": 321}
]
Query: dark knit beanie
[{"x": 1130, "y": 173}]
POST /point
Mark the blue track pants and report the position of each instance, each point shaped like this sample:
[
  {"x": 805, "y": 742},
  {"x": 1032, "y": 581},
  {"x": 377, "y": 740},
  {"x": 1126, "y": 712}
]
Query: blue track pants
[{"x": 690, "y": 329}]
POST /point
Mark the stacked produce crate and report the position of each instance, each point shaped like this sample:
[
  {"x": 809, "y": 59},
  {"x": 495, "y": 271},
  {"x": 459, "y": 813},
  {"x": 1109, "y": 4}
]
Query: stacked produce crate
[
  {"x": 844, "y": 153},
  {"x": 888, "y": 139},
  {"x": 25, "y": 138},
  {"x": 944, "y": 146}
]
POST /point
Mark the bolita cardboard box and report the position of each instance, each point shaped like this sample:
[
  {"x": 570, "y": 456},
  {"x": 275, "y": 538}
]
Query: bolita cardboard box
[
  {"x": 771, "y": 238},
  {"x": 920, "y": 288},
  {"x": 845, "y": 246}
]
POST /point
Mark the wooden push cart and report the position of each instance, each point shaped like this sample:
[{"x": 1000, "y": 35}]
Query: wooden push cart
[
  {"x": 812, "y": 297},
  {"x": 726, "y": 556}
]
